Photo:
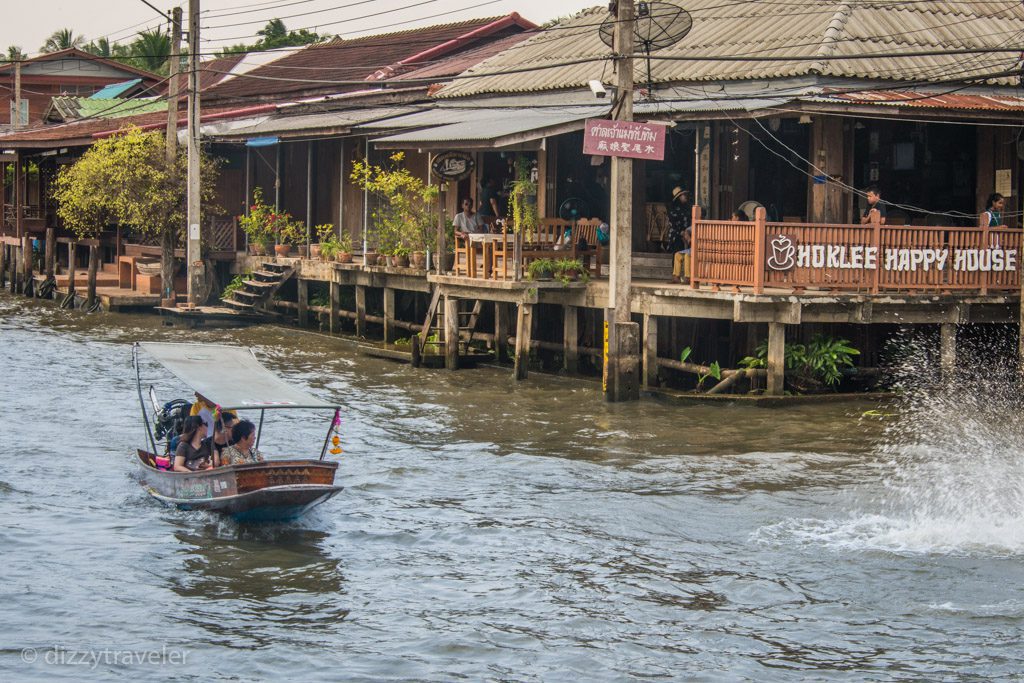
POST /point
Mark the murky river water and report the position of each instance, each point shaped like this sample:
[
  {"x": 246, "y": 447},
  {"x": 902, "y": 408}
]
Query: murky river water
[{"x": 490, "y": 531}]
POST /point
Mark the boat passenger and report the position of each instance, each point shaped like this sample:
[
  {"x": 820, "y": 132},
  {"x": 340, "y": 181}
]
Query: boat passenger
[
  {"x": 193, "y": 452},
  {"x": 243, "y": 445},
  {"x": 222, "y": 435}
]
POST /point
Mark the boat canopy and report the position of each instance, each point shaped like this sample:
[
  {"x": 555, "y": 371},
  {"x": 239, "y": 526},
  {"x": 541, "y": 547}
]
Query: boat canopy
[{"x": 230, "y": 376}]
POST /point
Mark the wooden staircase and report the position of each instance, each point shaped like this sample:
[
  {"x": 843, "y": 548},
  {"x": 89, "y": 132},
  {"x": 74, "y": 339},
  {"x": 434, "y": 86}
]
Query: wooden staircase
[
  {"x": 433, "y": 340},
  {"x": 256, "y": 293}
]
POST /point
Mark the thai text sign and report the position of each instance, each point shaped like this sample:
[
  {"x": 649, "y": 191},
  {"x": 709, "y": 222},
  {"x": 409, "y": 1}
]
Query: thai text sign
[
  {"x": 784, "y": 254},
  {"x": 624, "y": 139}
]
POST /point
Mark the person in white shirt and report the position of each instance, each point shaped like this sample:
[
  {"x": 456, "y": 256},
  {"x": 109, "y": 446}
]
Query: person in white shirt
[{"x": 468, "y": 221}]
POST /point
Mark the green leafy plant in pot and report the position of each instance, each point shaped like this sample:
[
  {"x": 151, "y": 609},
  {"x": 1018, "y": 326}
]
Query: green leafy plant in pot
[{"x": 541, "y": 269}]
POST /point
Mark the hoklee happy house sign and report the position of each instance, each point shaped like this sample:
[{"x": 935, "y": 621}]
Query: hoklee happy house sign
[{"x": 784, "y": 253}]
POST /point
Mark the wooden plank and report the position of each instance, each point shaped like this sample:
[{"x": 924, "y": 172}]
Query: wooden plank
[
  {"x": 51, "y": 252},
  {"x": 94, "y": 262},
  {"x": 501, "y": 320},
  {"x": 303, "y": 302},
  {"x": 524, "y": 323},
  {"x": 571, "y": 338},
  {"x": 451, "y": 333},
  {"x": 333, "y": 318},
  {"x": 389, "y": 315},
  {"x": 776, "y": 358},
  {"x": 360, "y": 311},
  {"x": 650, "y": 357}
]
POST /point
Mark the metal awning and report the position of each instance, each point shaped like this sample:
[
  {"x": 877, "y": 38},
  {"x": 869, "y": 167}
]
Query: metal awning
[
  {"x": 230, "y": 377},
  {"x": 297, "y": 125}
]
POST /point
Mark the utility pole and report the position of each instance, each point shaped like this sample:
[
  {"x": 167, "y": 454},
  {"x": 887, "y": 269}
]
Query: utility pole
[
  {"x": 196, "y": 267},
  {"x": 16, "y": 111},
  {"x": 169, "y": 238},
  {"x": 622, "y": 337}
]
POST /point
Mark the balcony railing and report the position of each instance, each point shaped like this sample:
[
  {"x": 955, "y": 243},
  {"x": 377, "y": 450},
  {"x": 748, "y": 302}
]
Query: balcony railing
[{"x": 869, "y": 258}]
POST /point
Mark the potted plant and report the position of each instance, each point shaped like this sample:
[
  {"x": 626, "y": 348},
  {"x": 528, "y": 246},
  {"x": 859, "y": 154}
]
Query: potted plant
[
  {"x": 569, "y": 270},
  {"x": 329, "y": 248},
  {"x": 541, "y": 269},
  {"x": 344, "y": 247},
  {"x": 522, "y": 200},
  {"x": 257, "y": 224},
  {"x": 400, "y": 256},
  {"x": 370, "y": 258},
  {"x": 406, "y": 215}
]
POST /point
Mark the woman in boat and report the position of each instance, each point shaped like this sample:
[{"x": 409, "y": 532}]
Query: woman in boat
[
  {"x": 194, "y": 450},
  {"x": 243, "y": 445},
  {"x": 222, "y": 436}
]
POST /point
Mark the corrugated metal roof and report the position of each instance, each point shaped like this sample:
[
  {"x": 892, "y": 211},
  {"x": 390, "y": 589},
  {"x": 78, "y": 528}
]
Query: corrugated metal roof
[
  {"x": 738, "y": 41},
  {"x": 338, "y": 121},
  {"x": 115, "y": 90},
  {"x": 923, "y": 100},
  {"x": 65, "y": 109}
]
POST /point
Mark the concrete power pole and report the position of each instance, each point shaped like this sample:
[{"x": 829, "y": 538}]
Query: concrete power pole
[
  {"x": 169, "y": 238},
  {"x": 196, "y": 267},
  {"x": 16, "y": 112},
  {"x": 622, "y": 358}
]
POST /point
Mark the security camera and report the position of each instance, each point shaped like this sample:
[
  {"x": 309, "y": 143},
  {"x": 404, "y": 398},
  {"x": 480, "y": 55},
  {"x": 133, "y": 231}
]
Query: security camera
[{"x": 598, "y": 89}]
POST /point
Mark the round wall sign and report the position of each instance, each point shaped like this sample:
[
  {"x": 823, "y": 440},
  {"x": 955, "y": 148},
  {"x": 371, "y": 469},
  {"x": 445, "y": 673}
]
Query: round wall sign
[{"x": 453, "y": 165}]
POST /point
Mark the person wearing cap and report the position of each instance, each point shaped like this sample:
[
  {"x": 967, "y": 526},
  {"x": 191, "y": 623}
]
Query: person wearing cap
[{"x": 679, "y": 231}]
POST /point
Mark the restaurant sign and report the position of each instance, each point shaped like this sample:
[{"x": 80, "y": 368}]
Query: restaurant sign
[
  {"x": 452, "y": 165},
  {"x": 624, "y": 139},
  {"x": 785, "y": 254}
]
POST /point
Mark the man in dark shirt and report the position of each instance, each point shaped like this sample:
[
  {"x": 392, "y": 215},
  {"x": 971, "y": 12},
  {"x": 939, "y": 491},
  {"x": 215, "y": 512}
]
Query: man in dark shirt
[
  {"x": 875, "y": 203},
  {"x": 489, "y": 199}
]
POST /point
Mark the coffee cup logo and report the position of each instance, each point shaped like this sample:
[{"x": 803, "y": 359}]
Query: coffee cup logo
[{"x": 783, "y": 253}]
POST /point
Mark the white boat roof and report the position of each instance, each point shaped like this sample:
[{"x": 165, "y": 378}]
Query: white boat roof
[{"x": 230, "y": 377}]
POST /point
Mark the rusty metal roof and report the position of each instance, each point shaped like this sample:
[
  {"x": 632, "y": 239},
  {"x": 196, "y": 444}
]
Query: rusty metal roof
[
  {"x": 924, "y": 100},
  {"x": 768, "y": 40}
]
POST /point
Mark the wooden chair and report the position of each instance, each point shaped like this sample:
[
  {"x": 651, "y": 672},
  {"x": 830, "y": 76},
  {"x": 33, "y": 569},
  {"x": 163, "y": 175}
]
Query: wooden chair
[
  {"x": 464, "y": 258},
  {"x": 502, "y": 266},
  {"x": 585, "y": 245}
]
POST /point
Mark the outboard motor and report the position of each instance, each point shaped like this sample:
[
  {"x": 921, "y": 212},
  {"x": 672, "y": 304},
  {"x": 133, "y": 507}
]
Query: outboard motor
[{"x": 171, "y": 417}]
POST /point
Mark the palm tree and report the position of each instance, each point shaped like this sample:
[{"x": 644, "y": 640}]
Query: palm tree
[
  {"x": 99, "y": 47},
  {"x": 274, "y": 32},
  {"x": 62, "y": 39},
  {"x": 15, "y": 54},
  {"x": 151, "y": 50}
]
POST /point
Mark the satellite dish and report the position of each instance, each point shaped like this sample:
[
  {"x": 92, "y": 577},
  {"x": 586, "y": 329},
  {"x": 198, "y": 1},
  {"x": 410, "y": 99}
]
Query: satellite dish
[
  {"x": 658, "y": 25},
  {"x": 573, "y": 208}
]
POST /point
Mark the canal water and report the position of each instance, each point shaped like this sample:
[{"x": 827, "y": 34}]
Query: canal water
[{"x": 494, "y": 531}]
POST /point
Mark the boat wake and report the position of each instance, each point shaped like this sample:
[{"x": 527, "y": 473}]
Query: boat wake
[{"x": 948, "y": 477}]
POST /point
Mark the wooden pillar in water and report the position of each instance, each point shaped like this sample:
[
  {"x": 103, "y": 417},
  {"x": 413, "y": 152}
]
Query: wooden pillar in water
[
  {"x": 524, "y": 325},
  {"x": 26, "y": 264},
  {"x": 3, "y": 257},
  {"x": 302, "y": 289},
  {"x": 389, "y": 315},
  {"x": 12, "y": 265},
  {"x": 51, "y": 253},
  {"x": 71, "y": 267},
  {"x": 570, "y": 339},
  {"x": 360, "y": 311},
  {"x": 94, "y": 264},
  {"x": 776, "y": 358},
  {"x": 501, "y": 320},
  {"x": 451, "y": 333},
  {"x": 947, "y": 349},
  {"x": 334, "y": 316},
  {"x": 650, "y": 359}
]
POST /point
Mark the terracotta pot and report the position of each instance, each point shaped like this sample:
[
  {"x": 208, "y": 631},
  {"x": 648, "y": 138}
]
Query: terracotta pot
[
  {"x": 257, "y": 249},
  {"x": 343, "y": 257},
  {"x": 314, "y": 251},
  {"x": 400, "y": 261},
  {"x": 370, "y": 258},
  {"x": 282, "y": 249},
  {"x": 418, "y": 259}
]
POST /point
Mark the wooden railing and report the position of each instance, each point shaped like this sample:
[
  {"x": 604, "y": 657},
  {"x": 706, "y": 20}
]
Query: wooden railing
[
  {"x": 867, "y": 258},
  {"x": 224, "y": 236}
]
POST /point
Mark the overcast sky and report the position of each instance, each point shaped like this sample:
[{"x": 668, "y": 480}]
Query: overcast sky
[{"x": 28, "y": 24}]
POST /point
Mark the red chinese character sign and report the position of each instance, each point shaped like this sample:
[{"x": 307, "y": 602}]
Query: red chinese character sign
[{"x": 624, "y": 139}]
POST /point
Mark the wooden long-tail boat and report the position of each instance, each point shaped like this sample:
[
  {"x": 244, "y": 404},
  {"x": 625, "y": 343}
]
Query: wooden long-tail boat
[{"x": 275, "y": 490}]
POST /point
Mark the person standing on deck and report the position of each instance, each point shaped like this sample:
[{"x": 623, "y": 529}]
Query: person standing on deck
[
  {"x": 992, "y": 216},
  {"x": 679, "y": 232},
  {"x": 876, "y": 205},
  {"x": 489, "y": 200}
]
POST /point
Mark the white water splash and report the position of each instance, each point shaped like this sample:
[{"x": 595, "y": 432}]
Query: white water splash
[{"x": 950, "y": 473}]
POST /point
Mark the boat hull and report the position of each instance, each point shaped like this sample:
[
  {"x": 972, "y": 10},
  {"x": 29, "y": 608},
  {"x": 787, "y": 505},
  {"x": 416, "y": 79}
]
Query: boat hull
[{"x": 271, "y": 491}]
